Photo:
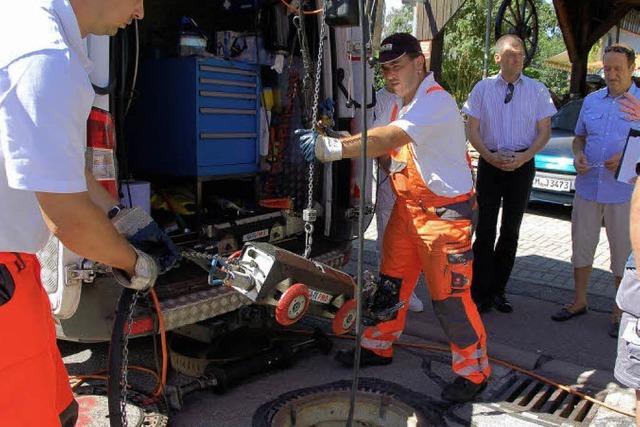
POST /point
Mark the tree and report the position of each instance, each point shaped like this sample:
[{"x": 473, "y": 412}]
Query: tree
[{"x": 398, "y": 20}]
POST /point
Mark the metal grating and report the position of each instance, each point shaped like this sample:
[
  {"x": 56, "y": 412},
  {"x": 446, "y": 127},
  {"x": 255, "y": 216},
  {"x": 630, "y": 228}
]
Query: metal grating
[{"x": 521, "y": 393}]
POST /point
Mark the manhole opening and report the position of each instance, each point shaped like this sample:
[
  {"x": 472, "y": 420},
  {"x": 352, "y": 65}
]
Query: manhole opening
[
  {"x": 522, "y": 393},
  {"x": 378, "y": 403}
]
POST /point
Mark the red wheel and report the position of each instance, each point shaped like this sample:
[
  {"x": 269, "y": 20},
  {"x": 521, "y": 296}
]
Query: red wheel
[
  {"x": 345, "y": 318},
  {"x": 292, "y": 304}
]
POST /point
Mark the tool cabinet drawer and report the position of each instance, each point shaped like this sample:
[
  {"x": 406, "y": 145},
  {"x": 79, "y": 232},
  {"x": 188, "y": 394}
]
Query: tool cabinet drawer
[{"x": 196, "y": 116}]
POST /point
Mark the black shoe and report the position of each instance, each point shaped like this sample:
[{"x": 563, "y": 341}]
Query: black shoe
[
  {"x": 367, "y": 358},
  {"x": 462, "y": 390},
  {"x": 484, "y": 306},
  {"x": 564, "y": 314},
  {"x": 502, "y": 305}
]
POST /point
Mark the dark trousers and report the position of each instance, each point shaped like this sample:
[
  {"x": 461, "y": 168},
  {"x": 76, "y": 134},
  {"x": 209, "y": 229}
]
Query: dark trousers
[{"x": 493, "y": 261}]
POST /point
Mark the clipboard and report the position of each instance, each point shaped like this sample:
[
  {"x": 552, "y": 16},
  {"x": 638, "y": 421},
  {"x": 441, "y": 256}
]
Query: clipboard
[{"x": 629, "y": 167}]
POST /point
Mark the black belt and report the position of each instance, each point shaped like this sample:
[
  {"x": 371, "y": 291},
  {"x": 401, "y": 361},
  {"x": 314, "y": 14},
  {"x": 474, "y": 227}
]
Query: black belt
[{"x": 515, "y": 151}]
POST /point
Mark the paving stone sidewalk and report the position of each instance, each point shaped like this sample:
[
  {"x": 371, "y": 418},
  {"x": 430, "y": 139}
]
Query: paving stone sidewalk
[{"x": 544, "y": 251}]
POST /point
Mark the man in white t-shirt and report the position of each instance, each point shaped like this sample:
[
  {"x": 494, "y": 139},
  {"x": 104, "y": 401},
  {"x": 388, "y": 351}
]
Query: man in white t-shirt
[
  {"x": 430, "y": 226},
  {"x": 385, "y": 199},
  {"x": 45, "y": 100}
]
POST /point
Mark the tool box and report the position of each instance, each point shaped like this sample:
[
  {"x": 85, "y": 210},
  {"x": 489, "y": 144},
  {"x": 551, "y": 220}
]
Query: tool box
[{"x": 195, "y": 117}]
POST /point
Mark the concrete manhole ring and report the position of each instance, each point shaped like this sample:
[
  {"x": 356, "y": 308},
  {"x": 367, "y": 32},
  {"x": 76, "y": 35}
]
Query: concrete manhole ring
[
  {"x": 379, "y": 403},
  {"x": 94, "y": 409}
]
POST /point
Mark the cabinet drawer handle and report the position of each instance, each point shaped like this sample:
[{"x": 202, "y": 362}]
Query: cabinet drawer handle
[
  {"x": 204, "y": 80},
  {"x": 227, "y": 111},
  {"x": 213, "y": 94}
]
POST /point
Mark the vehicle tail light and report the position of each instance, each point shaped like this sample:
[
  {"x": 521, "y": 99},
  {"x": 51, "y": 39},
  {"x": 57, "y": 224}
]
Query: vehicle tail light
[{"x": 101, "y": 145}]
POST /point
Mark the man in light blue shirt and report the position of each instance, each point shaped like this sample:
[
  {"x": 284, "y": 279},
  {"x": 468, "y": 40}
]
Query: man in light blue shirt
[{"x": 601, "y": 132}]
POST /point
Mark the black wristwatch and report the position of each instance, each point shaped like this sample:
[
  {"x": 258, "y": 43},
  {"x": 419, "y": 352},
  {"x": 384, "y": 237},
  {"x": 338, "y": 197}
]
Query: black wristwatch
[{"x": 111, "y": 213}]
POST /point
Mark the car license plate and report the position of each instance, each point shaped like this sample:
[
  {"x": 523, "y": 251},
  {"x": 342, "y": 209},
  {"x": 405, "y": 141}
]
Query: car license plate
[
  {"x": 320, "y": 297},
  {"x": 554, "y": 184}
]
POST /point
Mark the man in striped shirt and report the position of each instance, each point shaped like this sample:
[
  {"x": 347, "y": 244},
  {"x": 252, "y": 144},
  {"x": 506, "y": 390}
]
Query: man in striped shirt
[{"x": 509, "y": 121}]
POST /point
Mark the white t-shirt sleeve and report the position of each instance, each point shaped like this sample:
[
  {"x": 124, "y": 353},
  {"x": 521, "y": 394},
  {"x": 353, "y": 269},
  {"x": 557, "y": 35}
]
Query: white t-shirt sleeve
[
  {"x": 473, "y": 106},
  {"x": 428, "y": 116},
  {"x": 545, "y": 107},
  {"x": 44, "y": 119}
]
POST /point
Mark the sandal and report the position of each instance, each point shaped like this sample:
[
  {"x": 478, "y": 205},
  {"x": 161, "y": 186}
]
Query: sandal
[{"x": 564, "y": 314}]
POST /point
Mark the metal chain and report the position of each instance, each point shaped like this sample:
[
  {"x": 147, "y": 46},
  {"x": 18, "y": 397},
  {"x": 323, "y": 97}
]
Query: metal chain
[
  {"x": 124, "y": 383},
  {"x": 309, "y": 216}
]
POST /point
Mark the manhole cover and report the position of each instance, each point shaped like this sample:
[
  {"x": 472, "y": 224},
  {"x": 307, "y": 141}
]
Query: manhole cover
[
  {"x": 378, "y": 404},
  {"x": 523, "y": 393},
  {"x": 94, "y": 409}
]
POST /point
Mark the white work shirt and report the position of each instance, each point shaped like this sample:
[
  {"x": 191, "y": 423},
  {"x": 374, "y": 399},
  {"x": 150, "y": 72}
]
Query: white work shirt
[
  {"x": 433, "y": 122},
  {"x": 45, "y": 99}
]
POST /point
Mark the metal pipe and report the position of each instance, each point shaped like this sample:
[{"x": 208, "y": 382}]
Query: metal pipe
[
  {"x": 487, "y": 40},
  {"x": 361, "y": 226}
]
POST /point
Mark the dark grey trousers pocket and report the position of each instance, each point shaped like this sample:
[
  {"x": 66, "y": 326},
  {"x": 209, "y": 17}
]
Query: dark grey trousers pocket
[{"x": 7, "y": 285}]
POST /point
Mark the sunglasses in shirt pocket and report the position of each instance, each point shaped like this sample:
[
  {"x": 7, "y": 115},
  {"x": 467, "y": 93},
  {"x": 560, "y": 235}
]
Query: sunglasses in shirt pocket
[{"x": 7, "y": 285}]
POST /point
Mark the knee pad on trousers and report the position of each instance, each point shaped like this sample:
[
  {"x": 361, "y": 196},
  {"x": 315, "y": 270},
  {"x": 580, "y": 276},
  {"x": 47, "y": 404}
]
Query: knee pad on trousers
[
  {"x": 385, "y": 302},
  {"x": 453, "y": 317}
]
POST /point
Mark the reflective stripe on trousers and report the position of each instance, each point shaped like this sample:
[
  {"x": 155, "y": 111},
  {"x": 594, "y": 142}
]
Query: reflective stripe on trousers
[{"x": 432, "y": 234}]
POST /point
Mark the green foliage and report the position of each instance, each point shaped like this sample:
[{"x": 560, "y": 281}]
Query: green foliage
[
  {"x": 464, "y": 49},
  {"x": 399, "y": 20},
  {"x": 464, "y": 46}
]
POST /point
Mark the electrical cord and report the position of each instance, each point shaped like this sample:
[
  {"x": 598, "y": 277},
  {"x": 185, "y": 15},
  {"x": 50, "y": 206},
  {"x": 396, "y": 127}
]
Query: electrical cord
[
  {"x": 160, "y": 376},
  {"x": 442, "y": 349}
]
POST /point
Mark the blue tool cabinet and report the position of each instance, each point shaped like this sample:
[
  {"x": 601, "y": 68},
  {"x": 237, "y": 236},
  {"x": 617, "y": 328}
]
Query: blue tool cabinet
[{"x": 195, "y": 117}]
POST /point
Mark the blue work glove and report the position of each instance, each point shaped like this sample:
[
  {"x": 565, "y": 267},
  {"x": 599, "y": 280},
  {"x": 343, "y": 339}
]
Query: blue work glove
[
  {"x": 314, "y": 145},
  {"x": 146, "y": 235}
]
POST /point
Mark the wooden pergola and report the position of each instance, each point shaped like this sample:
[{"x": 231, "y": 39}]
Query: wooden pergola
[{"x": 583, "y": 23}]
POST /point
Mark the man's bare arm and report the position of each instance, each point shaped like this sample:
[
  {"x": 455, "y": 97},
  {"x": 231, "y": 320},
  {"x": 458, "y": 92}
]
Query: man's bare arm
[
  {"x": 380, "y": 141},
  {"x": 543, "y": 127},
  {"x": 472, "y": 130},
  {"x": 99, "y": 195},
  {"x": 83, "y": 227},
  {"x": 579, "y": 159}
]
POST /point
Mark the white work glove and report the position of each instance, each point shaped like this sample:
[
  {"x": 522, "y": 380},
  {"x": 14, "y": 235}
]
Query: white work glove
[
  {"x": 146, "y": 273},
  {"x": 324, "y": 148},
  {"x": 145, "y": 234}
]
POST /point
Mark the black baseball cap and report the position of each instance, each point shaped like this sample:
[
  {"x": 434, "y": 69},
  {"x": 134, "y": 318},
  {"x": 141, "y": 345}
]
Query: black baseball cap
[{"x": 397, "y": 45}]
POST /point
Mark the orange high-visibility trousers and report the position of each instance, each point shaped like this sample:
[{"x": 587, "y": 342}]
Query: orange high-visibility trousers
[
  {"x": 432, "y": 234},
  {"x": 34, "y": 386}
]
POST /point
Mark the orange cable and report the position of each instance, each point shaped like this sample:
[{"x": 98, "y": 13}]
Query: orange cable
[
  {"x": 161, "y": 378},
  {"x": 515, "y": 368},
  {"x": 297, "y": 11},
  {"x": 163, "y": 343}
]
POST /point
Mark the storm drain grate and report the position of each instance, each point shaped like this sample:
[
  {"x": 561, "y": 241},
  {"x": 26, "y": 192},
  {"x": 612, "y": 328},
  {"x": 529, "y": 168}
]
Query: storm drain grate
[{"x": 522, "y": 393}]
